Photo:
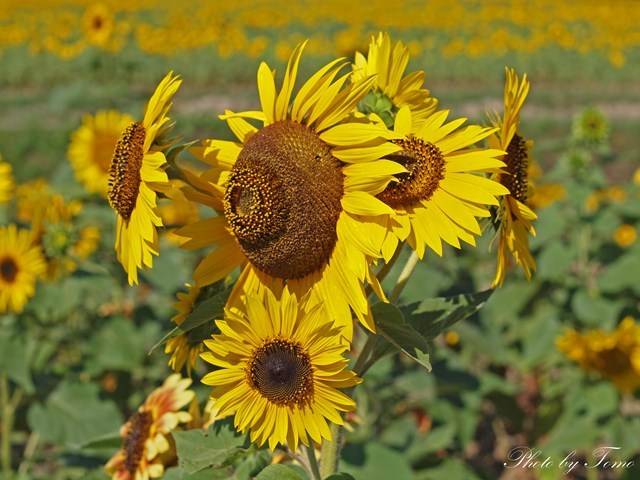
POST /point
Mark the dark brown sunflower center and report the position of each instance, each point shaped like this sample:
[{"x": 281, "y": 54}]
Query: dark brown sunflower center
[
  {"x": 137, "y": 434},
  {"x": 426, "y": 167},
  {"x": 124, "y": 171},
  {"x": 281, "y": 371},
  {"x": 98, "y": 22},
  {"x": 517, "y": 160},
  {"x": 283, "y": 200},
  {"x": 8, "y": 269},
  {"x": 613, "y": 361}
]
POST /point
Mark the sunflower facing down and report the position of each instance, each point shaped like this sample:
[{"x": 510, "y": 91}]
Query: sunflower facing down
[
  {"x": 391, "y": 91},
  {"x": 144, "y": 453},
  {"x": 20, "y": 265},
  {"x": 135, "y": 175},
  {"x": 514, "y": 217},
  {"x": 439, "y": 197},
  {"x": 287, "y": 192},
  {"x": 281, "y": 365},
  {"x": 91, "y": 148}
]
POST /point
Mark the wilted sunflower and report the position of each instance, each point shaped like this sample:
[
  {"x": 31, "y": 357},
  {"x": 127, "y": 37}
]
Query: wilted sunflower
[
  {"x": 391, "y": 91},
  {"x": 280, "y": 365},
  {"x": 21, "y": 262},
  {"x": 439, "y": 197},
  {"x": 6, "y": 182},
  {"x": 135, "y": 174},
  {"x": 288, "y": 193},
  {"x": 182, "y": 351},
  {"x": 614, "y": 355},
  {"x": 514, "y": 217},
  {"x": 91, "y": 148},
  {"x": 145, "y": 433}
]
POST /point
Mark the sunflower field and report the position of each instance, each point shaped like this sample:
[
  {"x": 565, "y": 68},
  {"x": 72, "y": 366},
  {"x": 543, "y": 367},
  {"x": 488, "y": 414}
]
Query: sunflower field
[{"x": 296, "y": 240}]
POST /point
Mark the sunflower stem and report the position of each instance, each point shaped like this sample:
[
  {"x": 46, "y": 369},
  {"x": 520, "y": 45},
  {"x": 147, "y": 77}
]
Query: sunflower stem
[
  {"x": 29, "y": 451},
  {"x": 364, "y": 354},
  {"x": 331, "y": 451},
  {"x": 7, "y": 425},
  {"x": 408, "y": 269},
  {"x": 313, "y": 462}
]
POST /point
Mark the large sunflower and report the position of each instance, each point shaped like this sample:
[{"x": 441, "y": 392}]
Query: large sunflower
[
  {"x": 91, "y": 148},
  {"x": 6, "y": 182},
  {"x": 135, "y": 175},
  {"x": 391, "y": 90},
  {"x": 440, "y": 197},
  {"x": 280, "y": 365},
  {"x": 514, "y": 217},
  {"x": 288, "y": 193},
  {"x": 144, "y": 435},
  {"x": 21, "y": 263}
]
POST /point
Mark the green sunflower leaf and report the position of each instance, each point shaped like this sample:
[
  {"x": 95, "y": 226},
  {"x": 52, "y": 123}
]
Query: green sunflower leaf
[
  {"x": 431, "y": 317},
  {"x": 214, "y": 448},
  {"x": 74, "y": 415},
  {"x": 199, "y": 324},
  {"x": 340, "y": 476},
  {"x": 14, "y": 360},
  {"x": 280, "y": 472},
  {"x": 396, "y": 334}
]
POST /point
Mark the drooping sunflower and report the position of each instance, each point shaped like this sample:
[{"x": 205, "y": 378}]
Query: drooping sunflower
[
  {"x": 614, "y": 355},
  {"x": 289, "y": 192},
  {"x": 183, "y": 351},
  {"x": 135, "y": 175},
  {"x": 391, "y": 90},
  {"x": 439, "y": 197},
  {"x": 6, "y": 182},
  {"x": 21, "y": 262},
  {"x": 514, "y": 217},
  {"x": 144, "y": 435},
  {"x": 91, "y": 148},
  {"x": 281, "y": 365}
]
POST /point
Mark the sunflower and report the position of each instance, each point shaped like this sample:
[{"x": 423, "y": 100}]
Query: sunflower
[
  {"x": 280, "y": 365},
  {"x": 91, "y": 148},
  {"x": 625, "y": 235},
  {"x": 98, "y": 24},
  {"x": 144, "y": 435},
  {"x": 288, "y": 194},
  {"x": 590, "y": 127},
  {"x": 39, "y": 205},
  {"x": 135, "y": 175},
  {"x": 439, "y": 197},
  {"x": 614, "y": 355},
  {"x": 21, "y": 263},
  {"x": 391, "y": 91},
  {"x": 183, "y": 351},
  {"x": 6, "y": 182},
  {"x": 514, "y": 217}
]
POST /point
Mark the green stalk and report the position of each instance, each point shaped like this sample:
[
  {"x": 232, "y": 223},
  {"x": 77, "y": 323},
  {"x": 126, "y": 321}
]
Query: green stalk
[
  {"x": 7, "y": 424},
  {"x": 313, "y": 462},
  {"x": 408, "y": 269},
  {"x": 331, "y": 451}
]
